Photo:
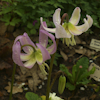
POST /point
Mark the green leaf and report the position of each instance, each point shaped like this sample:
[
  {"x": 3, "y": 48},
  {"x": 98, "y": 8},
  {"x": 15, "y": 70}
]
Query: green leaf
[
  {"x": 70, "y": 86},
  {"x": 65, "y": 70},
  {"x": 30, "y": 5},
  {"x": 86, "y": 74},
  {"x": 30, "y": 25},
  {"x": 33, "y": 31},
  {"x": 32, "y": 96},
  {"x": 14, "y": 21},
  {"x": 83, "y": 82}
]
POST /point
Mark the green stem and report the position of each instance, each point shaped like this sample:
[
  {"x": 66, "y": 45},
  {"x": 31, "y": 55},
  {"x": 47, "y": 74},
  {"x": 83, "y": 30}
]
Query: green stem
[
  {"x": 10, "y": 97},
  {"x": 54, "y": 79},
  {"x": 50, "y": 71}
]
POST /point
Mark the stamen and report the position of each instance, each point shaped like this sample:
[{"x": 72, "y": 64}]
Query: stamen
[{"x": 42, "y": 68}]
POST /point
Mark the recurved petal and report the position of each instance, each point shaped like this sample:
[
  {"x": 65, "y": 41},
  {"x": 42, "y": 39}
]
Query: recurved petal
[
  {"x": 61, "y": 32},
  {"x": 45, "y": 53},
  {"x": 51, "y": 49},
  {"x": 83, "y": 27},
  {"x": 56, "y": 16},
  {"x": 73, "y": 30},
  {"x": 75, "y": 16},
  {"x": 43, "y": 37},
  {"x": 16, "y": 49},
  {"x": 90, "y": 20},
  {"x": 47, "y": 29},
  {"x": 26, "y": 40}
]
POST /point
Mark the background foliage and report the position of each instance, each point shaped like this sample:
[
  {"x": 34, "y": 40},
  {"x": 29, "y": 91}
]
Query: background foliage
[{"x": 27, "y": 13}]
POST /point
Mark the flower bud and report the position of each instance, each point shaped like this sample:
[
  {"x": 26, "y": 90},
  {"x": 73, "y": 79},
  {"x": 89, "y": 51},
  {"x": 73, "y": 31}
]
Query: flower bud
[{"x": 61, "y": 84}]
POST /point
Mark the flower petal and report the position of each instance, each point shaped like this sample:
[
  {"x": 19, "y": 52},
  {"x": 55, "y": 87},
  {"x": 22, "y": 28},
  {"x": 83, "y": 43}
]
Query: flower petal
[
  {"x": 90, "y": 20},
  {"x": 75, "y": 16},
  {"x": 30, "y": 63},
  {"x": 43, "y": 38},
  {"x": 47, "y": 29},
  {"x": 83, "y": 27},
  {"x": 56, "y": 16},
  {"x": 61, "y": 32},
  {"x": 38, "y": 56},
  {"x": 44, "y": 52},
  {"x": 25, "y": 57},
  {"x": 16, "y": 49},
  {"x": 26, "y": 40},
  {"x": 74, "y": 30},
  {"x": 51, "y": 49}
]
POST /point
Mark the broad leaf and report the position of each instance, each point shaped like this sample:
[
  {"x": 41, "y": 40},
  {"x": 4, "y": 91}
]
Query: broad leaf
[{"x": 32, "y": 96}]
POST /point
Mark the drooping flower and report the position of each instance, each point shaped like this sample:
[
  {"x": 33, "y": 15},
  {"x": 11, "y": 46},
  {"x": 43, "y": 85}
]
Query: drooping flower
[
  {"x": 26, "y": 53},
  {"x": 68, "y": 29}
]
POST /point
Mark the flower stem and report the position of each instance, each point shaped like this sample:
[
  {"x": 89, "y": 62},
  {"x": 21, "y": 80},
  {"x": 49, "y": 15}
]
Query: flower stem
[
  {"x": 10, "y": 97},
  {"x": 50, "y": 71}
]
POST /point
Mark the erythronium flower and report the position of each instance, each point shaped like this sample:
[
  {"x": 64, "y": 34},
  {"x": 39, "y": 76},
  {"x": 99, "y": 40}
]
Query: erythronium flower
[
  {"x": 33, "y": 53},
  {"x": 52, "y": 96},
  {"x": 67, "y": 30}
]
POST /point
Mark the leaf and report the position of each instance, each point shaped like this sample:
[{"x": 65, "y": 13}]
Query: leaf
[
  {"x": 29, "y": 25},
  {"x": 70, "y": 86},
  {"x": 33, "y": 31},
  {"x": 86, "y": 74},
  {"x": 65, "y": 70},
  {"x": 84, "y": 81},
  {"x": 32, "y": 96},
  {"x": 14, "y": 21}
]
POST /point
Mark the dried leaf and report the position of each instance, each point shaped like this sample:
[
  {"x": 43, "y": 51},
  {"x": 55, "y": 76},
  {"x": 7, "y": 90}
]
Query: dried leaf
[
  {"x": 84, "y": 98},
  {"x": 15, "y": 90},
  {"x": 4, "y": 65},
  {"x": 65, "y": 57}
]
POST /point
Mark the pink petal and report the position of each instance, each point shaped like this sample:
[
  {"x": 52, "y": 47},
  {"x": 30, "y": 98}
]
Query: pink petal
[
  {"x": 51, "y": 49},
  {"x": 75, "y": 16},
  {"x": 16, "y": 49},
  {"x": 56, "y": 16},
  {"x": 44, "y": 52},
  {"x": 26, "y": 40},
  {"x": 43, "y": 38}
]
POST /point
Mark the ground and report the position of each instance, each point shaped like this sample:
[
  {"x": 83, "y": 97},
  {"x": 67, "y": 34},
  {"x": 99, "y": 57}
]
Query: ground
[{"x": 72, "y": 53}]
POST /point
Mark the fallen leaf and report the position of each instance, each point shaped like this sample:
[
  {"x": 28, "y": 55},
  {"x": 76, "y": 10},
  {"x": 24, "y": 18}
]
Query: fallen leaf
[
  {"x": 65, "y": 57},
  {"x": 1, "y": 94},
  {"x": 4, "y": 65},
  {"x": 15, "y": 90},
  {"x": 84, "y": 98},
  {"x": 92, "y": 97},
  {"x": 85, "y": 51}
]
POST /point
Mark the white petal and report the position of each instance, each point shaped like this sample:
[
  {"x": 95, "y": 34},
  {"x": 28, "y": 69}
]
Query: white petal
[
  {"x": 83, "y": 27},
  {"x": 75, "y": 16},
  {"x": 56, "y": 16},
  {"x": 30, "y": 63},
  {"x": 47, "y": 29},
  {"x": 25, "y": 57},
  {"x": 61, "y": 32},
  {"x": 90, "y": 20}
]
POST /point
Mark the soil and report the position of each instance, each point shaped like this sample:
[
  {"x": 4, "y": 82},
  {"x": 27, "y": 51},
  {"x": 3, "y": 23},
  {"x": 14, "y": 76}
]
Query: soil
[{"x": 87, "y": 94}]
